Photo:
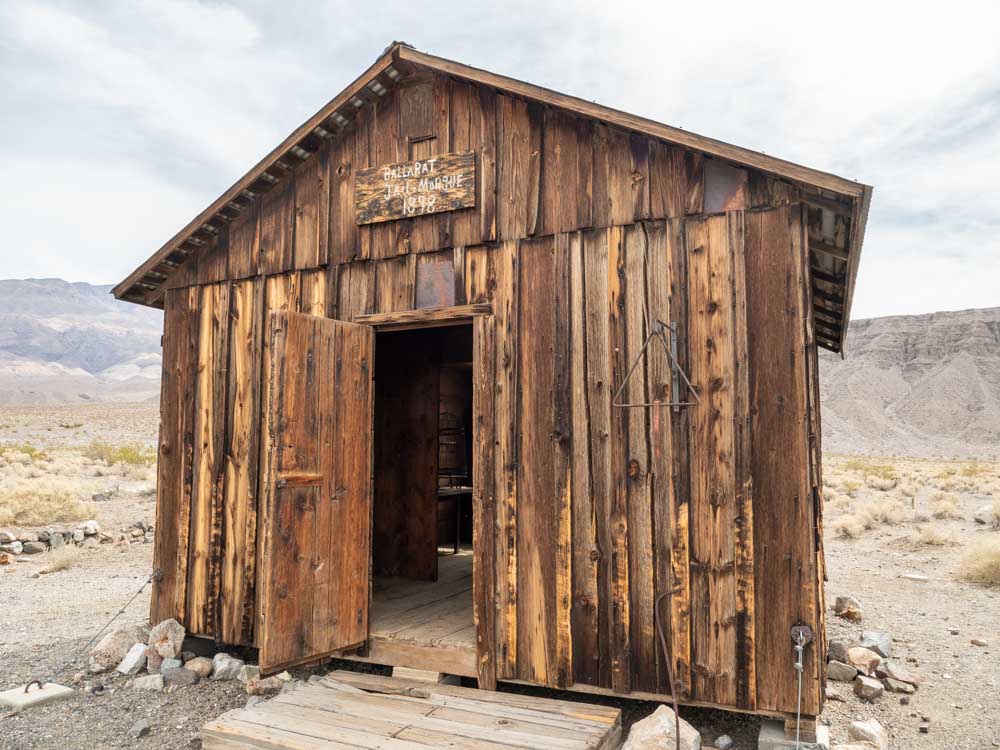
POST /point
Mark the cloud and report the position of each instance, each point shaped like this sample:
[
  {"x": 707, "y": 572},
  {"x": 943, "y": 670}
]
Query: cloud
[{"x": 135, "y": 115}]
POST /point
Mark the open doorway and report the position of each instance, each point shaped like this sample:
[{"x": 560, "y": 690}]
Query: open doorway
[{"x": 422, "y": 506}]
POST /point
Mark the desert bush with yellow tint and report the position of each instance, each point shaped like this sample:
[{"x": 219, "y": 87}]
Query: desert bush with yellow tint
[
  {"x": 981, "y": 562},
  {"x": 37, "y": 504}
]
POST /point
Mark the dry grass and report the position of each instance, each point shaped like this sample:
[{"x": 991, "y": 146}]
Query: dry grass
[
  {"x": 61, "y": 558},
  {"x": 885, "y": 510},
  {"x": 37, "y": 504},
  {"x": 848, "y": 526},
  {"x": 935, "y": 537},
  {"x": 944, "y": 505},
  {"x": 23, "y": 452},
  {"x": 981, "y": 562},
  {"x": 882, "y": 484},
  {"x": 872, "y": 468},
  {"x": 129, "y": 454}
]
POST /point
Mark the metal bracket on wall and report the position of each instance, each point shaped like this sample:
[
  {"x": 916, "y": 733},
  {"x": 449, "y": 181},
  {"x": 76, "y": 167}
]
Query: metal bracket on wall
[{"x": 666, "y": 335}]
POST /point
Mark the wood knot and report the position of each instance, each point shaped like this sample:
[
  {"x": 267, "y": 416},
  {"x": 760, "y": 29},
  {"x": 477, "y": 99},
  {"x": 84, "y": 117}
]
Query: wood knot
[{"x": 633, "y": 468}]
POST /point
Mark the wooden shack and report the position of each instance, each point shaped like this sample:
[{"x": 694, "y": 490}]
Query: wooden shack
[{"x": 400, "y": 420}]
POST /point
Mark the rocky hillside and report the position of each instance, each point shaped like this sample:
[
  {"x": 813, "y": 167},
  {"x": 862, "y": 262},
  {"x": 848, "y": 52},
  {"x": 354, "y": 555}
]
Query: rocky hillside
[
  {"x": 917, "y": 385},
  {"x": 63, "y": 342}
]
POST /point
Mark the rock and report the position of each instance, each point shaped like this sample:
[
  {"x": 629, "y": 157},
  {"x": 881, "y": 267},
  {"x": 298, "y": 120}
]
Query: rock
[
  {"x": 915, "y": 577},
  {"x": 56, "y": 540},
  {"x": 113, "y": 647},
  {"x": 226, "y": 667},
  {"x": 89, "y": 528},
  {"x": 90, "y": 542},
  {"x": 148, "y": 682},
  {"x": 170, "y": 664},
  {"x": 264, "y": 686},
  {"x": 133, "y": 661},
  {"x": 863, "y": 659},
  {"x": 200, "y": 664},
  {"x": 953, "y": 631},
  {"x": 867, "y": 688},
  {"x": 978, "y": 642},
  {"x": 139, "y": 729},
  {"x": 843, "y": 603},
  {"x": 34, "y": 548},
  {"x": 836, "y": 650},
  {"x": 904, "y": 701},
  {"x": 893, "y": 670},
  {"x": 878, "y": 641},
  {"x": 178, "y": 676},
  {"x": 7, "y": 536},
  {"x": 167, "y": 638},
  {"x": 984, "y": 515},
  {"x": 284, "y": 676},
  {"x": 925, "y": 728},
  {"x": 254, "y": 700},
  {"x": 725, "y": 742},
  {"x": 840, "y": 672},
  {"x": 187, "y": 656},
  {"x": 833, "y": 695},
  {"x": 78, "y": 536},
  {"x": 100, "y": 497},
  {"x": 658, "y": 731},
  {"x": 153, "y": 661},
  {"x": 897, "y": 686},
  {"x": 247, "y": 673},
  {"x": 23, "y": 535},
  {"x": 44, "y": 535},
  {"x": 14, "y": 548}
]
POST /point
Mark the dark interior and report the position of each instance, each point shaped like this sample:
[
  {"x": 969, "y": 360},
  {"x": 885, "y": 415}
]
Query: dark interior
[{"x": 423, "y": 449}]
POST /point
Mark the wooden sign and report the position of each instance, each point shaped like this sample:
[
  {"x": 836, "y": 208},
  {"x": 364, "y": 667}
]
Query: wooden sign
[{"x": 414, "y": 188}]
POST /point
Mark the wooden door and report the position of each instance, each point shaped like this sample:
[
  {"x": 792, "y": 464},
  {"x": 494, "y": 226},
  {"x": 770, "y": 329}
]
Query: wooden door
[{"x": 316, "y": 522}]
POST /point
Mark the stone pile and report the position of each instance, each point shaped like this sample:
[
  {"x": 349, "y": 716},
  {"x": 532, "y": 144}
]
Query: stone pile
[
  {"x": 155, "y": 659},
  {"x": 867, "y": 663},
  {"x": 17, "y": 541}
]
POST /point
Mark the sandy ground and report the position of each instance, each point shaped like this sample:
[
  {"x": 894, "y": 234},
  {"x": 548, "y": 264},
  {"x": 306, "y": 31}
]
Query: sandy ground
[{"x": 45, "y": 620}]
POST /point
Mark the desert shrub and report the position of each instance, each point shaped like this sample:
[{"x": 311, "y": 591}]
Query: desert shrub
[
  {"x": 884, "y": 510},
  {"x": 840, "y": 501},
  {"x": 848, "y": 526},
  {"x": 975, "y": 469},
  {"x": 871, "y": 468},
  {"x": 70, "y": 425},
  {"x": 850, "y": 487},
  {"x": 932, "y": 535},
  {"x": 981, "y": 562},
  {"x": 27, "y": 449},
  {"x": 883, "y": 484},
  {"x": 61, "y": 558},
  {"x": 907, "y": 490},
  {"x": 36, "y": 505},
  {"x": 944, "y": 505},
  {"x": 129, "y": 454}
]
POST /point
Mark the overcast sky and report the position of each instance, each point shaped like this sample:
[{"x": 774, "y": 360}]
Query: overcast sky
[{"x": 120, "y": 121}]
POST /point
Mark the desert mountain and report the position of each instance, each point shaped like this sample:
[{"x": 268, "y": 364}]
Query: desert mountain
[
  {"x": 63, "y": 342},
  {"x": 915, "y": 385}
]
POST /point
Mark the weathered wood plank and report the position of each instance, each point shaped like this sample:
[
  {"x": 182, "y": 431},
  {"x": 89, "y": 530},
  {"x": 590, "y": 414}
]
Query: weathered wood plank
[
  {"x": 637, "y": 461},
  {"x": 277, "y": 219},
  {"x": 586, "y": 553},
  {"x": 425, "y": 317},
  {"x": 518, "y": 167},
  {"x": 427, "y": 184},
  {"x": 598, "y": 393},
  {"x": 507, "y": 410},
  {"x": 480, "y": 275},
  {"x": 668, "y": 188},
  {"x": 621, "y": 648},
  {"x": 209, "y": 452},
  {"x": 384, "y": 135},
  {"x": 484, "y": 573},
  {"x": 175, "y": 454},
  {"x": 355, "y": 289},
  {"x": 713, "y": 579},
  {"x": 312, "y": 210},
  {"x": 559, "y": 198},
  {"x": 343, "y": 245},
  {"x": 244, "y": 243},
  {"x": 784, "y": 547},
  {"x": 239, "y": 530},
  {"x": 394, "y": 284}
]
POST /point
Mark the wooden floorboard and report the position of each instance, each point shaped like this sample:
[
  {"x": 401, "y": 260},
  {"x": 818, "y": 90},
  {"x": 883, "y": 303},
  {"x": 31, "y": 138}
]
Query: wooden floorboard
[{"x": 353, "y": 710}]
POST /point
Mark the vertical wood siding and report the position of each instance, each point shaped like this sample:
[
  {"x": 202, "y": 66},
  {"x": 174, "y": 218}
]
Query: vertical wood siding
[{"x": 582, "y": 237}]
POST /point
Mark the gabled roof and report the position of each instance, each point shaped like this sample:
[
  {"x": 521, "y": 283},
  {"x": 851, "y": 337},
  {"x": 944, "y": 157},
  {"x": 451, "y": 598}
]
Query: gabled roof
[{"x": 822, "y": 190}]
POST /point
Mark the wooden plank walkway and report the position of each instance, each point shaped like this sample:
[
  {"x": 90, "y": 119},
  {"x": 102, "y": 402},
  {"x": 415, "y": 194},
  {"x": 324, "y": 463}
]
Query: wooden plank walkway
[{"x": 351, "y": 710}]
